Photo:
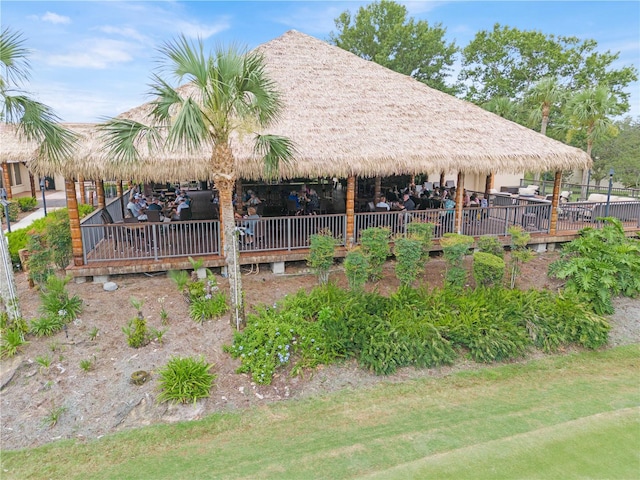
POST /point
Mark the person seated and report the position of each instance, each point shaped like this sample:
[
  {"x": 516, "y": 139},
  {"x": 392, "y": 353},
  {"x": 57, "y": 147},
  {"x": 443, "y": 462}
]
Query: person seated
[
  {"x": 408, "y": 202},
  {"x": 383, "y": 203},
  {"x": 253, "y": 200},
  {"x": 473, "y": 201},
  {"x": 181, "y": 205},
  {"x": 155, "y": 205},
  {"x": 136, "y": 210},
  {"x": 313, "y": 204}
]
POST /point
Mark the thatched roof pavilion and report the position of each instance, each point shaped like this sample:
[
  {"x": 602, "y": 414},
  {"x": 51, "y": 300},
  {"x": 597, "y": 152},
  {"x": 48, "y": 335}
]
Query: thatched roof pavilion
[{"x": 348, "y": 116}]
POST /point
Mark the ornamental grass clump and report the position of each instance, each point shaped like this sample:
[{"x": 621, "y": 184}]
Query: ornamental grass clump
[{"x": 185, "y": 379}]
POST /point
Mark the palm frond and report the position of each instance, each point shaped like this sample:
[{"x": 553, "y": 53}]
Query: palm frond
[
  {"x": 188, "y": 128},
  {"x": 121, "y": 137},
  {"x": 274, "y": 150},
  {"x": 184, "y": 59},
  {"x": 13, "y": 57}
]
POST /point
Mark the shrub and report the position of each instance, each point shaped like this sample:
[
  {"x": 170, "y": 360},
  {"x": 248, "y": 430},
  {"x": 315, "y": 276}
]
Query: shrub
[
  {"x": 27, "y": 204},
  {"x": 84, "y": 209},
  {"x": 423, "y": 232},
  {"x": 11, "y": 340},
  {"x": 39, "y": 261},
  {"x": 488, "y": 269},
  {"x": 56, "y": 301},
  {"x": 492, "y": 245},
  {"x": 17, "y": 240},
  {"x": 136, "y": 332},
  {"x": 185, "y": 379},
  {"x": 322, "y": 248},
  {"x": 356, "y": 269},
  {"x": 14, "y": 210},
  {"x": 208, "y": 307},
  {"x": 58, "y": 233},
  {"x": 180, "y": 278},
  {"x": 47, "y": 325},
  {"x": 600, "y": 264},
  {"x": 519, "y": 251},
  {"x": 455, "y": 247},
  {"x": 409, "y": 259},
  {"x": 375, "y": 246}
]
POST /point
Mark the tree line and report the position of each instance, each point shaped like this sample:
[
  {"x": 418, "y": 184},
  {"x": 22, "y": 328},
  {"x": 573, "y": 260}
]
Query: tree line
[{"x": 562, "y": 86}]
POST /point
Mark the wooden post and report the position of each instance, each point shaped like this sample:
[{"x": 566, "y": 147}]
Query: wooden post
[
  {"x": 239, "y": 196},
  {"x": 459, "y": 202},
  {"x": 6, "y": 180},
  {"x": 442, "y": 179},
  {"x": 32, "y": 184},
  {"x": 100, "y": 193},
  {"x": 74, "y": 222},
  {"x": 120, "y": 193},
  {"x": 350, "y": 209},
  {"x": 377, "y": 190},
  {"x": 488, "y": 184},
  {"x": 555, "y": 201},
  {"x": 83, "y": 198}
]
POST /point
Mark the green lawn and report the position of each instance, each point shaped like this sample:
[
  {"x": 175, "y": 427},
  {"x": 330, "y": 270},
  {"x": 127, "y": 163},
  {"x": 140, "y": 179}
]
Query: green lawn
[{"x": 574, "y": 416}]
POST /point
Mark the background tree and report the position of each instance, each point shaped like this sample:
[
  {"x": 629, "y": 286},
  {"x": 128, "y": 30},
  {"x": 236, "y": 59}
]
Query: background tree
[
  {"x": 233, "y": 94},
  {"x": 589, "y": 112},
  {"x": 621, "y": 152},
  {"x": 382, "y": 33},
  {"x": 507, "y": 62},
  {"x": 504, "y": 107}
]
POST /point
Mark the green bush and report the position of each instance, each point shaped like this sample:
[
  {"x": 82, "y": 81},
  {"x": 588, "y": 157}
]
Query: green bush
[
  {"x": 422, "y": 232},
  {"x": 55, "y": 299},
  {"x": 600, "y": 264},
  {"x": 409, "y": 255},
  {"x": 27, "y": 204},
  {"x": 455, "y": 247},
  {"x": 14, "y": 210},
  {"x": 39, "y": 261},
  {"x": 47, "y": 325},
  {"x": 136, "y": 332},
  {"x": 375, "y": 246},
  {"x": 208, "y": 307},
  {"x": 519, "y": 252},
  {"x": 17, "y": 240},
  {"x": 321, "y": 254},
  {"x": 11, "y": 340},
  {"x": 84, "y": 209},
  {"x": 185, "y": 379},
  {"x": 488, "y": 269},
  {"x": 356, "y": 269},
  {"x": 492, "y": 245}
]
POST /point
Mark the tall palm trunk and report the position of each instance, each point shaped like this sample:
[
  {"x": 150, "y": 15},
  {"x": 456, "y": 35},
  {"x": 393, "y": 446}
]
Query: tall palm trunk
[
  {"x": 223, "y": 159},
  {"x": 546, "y": 110},
  {"x": 585, "y": 172}
]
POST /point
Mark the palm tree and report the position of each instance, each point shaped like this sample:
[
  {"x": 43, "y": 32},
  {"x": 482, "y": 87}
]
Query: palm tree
[
  {"x": 504, "y": 107},
  {"x": 34, "y": 122},
  {"x": 589, "y": 112},
  {"x": 544, "y": 95},
  {"x": 233, "y": 94}
]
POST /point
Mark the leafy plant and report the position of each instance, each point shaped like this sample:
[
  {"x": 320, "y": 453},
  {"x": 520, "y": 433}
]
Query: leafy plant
[
  {"x": 53, "y": 417},
  {"x": 86, "y": 364},
  {"x": 14, "y": 210},
  {"x": 185, "y": 379},
  {"x": 164, "y": 315},
  {"x": 423, "y": 232},
  {"x": 11, "y": 340},
  {"x": 157, "y": 334},
  {"x": 409, "y": 255},
  {"x": 356, "y": 269},
  {"x": 455, "y": 247},
  {"x": 519, "y": 252},
  {"x": 39, "y": 262},
  {"x": 44, "y": 361},
  {"x": 180, "y": 278},
  {"x": 208, "y": 307},
  {"x": 375, "y": 246},
  {"x": 136, "y": 330},
  {"x": 600, "y": 264},
  {"x": 321, "y": 254},
  {"x": 58, "y": 233},
  {"x": 492, "y": 245},
  {"x": 488, "y": 269},
  {"x": 47, "y": 325},
  {"x": 56, "y": 301},
  {"x": 93, "y": 333},
  {"x": 27, "y": 204}
]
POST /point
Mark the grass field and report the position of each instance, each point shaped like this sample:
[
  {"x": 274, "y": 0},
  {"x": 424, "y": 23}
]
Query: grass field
[{"x": 572, "y": 416}]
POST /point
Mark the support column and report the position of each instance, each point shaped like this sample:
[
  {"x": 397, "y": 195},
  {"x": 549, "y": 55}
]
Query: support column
[
  {"x": 488, "y": 184},
  {"x": 555, "y": 201},
  {"x": 459, "y": 202},
  {"x": 32, "y": 184},
  {"x": 83, "y": 198},
  {"x": 442, "y": 179},
  {"x": 239, "y": 196},
  {"x": 100, "y": 193},
  {"x": 120, "y": 193},
  {"x": 377, "y": 190},
  {"x": 74, "y": 222},
  {"x": 6, "y": 180},
  {"x": 350, "y": 209}
]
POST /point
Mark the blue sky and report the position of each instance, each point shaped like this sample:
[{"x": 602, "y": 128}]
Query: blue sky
[{"x": 92, "y": 59}]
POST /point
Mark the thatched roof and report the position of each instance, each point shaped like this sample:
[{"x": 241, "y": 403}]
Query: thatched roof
[
  {"x": 13, "y": 147},
  {"x": 349, "y": 116}
]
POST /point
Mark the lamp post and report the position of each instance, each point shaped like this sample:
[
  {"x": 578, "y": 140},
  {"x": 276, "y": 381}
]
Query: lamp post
[
  {"x": 606, "y": 210},
  {"x": 44, "y": 200},
  {"x": 5, "y": 204}
]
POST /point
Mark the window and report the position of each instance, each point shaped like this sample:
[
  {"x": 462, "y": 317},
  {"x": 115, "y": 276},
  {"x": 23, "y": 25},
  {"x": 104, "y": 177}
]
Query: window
[{"x": 17, "y": 177}]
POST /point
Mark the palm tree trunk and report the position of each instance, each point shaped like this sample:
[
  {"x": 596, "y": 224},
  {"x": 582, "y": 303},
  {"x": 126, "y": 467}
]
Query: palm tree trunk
[
  {"x": 585, "y": 172},
  {"x": 543, "y": 131},
  {"x": 223, "y": 160}
]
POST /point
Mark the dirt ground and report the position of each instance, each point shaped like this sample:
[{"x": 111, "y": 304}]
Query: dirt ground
[{"x": 104, "y": 400}]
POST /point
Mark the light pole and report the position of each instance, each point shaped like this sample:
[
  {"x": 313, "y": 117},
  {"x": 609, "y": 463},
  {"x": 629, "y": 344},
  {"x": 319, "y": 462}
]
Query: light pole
[
  {"x": 606, "y": 210},
  {"x": 44, "y": 200}
]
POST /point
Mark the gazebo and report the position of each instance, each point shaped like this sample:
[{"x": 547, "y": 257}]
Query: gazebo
[{"x": 347, "y": 117}]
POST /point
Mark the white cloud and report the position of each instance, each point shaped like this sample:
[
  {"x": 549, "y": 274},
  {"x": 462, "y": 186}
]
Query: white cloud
[
  {"x": 198, "y": 30},
  {"x": 126, "y": 32},
  {"x": 95, "y": 54},
  {"x": 55, "y": 18},
  {"x": 314, "y": 20}
]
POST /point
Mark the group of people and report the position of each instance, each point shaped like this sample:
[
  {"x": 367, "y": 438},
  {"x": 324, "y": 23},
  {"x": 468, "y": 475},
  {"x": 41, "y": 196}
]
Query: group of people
[
  {"x": 437, "y": 198},
  {"x": 139, "y": 205},
  {"x": 306, "y": 200}
]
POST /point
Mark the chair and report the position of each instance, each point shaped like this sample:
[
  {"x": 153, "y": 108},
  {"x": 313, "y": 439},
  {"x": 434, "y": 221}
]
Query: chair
[
  {"x": 382, "y": 209},
  {"x": 292, "y": 208},
  {"x": 153, "y": 216},
  {"x": 185, "y": 214}
]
